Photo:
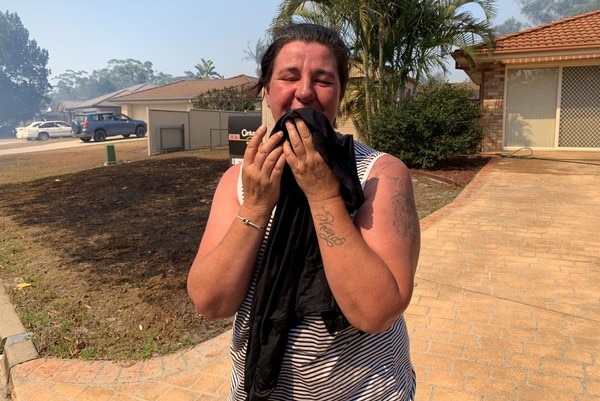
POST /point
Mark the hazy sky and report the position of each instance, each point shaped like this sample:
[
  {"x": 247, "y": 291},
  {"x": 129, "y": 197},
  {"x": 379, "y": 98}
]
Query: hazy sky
[{"x": 173, "y": 35}]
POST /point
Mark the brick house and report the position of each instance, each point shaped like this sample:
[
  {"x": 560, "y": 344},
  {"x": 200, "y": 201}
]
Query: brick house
[{"x": 541, "y": 86}]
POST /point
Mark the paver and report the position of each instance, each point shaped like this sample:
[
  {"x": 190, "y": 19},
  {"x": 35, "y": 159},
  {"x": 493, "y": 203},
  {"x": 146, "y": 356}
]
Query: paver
[{"x": 505, "y": 306}]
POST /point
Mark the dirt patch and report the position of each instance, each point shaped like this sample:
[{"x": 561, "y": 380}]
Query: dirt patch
[{"x": 96, "y": 258}]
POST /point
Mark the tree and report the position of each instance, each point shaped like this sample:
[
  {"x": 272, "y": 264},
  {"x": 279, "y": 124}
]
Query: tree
[
  {"x": 509, "y": 26},
  {"x": 124, "y": 73},
  {"x": 68, "y": 85},
  {"x": 119, "y": 74},
  {"x": 544, "y": 11},
  {"x": 205, "y": 70},
  {"x": 256, "y": 55},
  {"x": 393, "y": 41},
  {"x": 23, "y": 72},
  {"x": 230, "y": 99}
]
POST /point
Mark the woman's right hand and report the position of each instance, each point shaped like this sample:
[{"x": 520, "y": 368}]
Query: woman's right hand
[{"x": 261, "y": 172}]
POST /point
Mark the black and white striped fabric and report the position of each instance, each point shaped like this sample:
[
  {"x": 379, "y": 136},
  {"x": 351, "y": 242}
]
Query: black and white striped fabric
[{"x": 349, "y": 365}]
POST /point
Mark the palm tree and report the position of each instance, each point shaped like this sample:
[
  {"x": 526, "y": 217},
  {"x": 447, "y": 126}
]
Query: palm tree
[
  {"x": 393, "y": 41},
  {"x": 205, "y": 70},
  {"x": 256, "y": 55}
]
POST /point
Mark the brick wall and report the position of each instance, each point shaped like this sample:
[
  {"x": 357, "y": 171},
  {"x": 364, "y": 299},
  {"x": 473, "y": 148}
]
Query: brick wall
[{"x": 492, "y": 98}]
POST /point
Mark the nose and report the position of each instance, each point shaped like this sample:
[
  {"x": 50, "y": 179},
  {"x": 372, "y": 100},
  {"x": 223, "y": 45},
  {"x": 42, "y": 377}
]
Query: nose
[{"x": 305, "y": 92}]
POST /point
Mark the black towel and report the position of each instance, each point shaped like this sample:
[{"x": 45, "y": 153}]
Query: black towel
[{"x": 291, "y": 281}]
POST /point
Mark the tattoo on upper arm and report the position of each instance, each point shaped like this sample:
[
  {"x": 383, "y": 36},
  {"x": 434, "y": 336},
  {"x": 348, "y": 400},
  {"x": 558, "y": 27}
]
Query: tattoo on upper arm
[
  {"x": 324, "y": 227},
  {"x": 405, "y": 219}
]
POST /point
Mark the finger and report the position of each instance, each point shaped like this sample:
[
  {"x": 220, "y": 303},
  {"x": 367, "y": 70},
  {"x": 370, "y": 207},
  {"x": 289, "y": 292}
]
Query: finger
[
  {"x": 273, "y": 141},
  {"x": 303, "y": 130},
  {"x": 253, "y": 144},
  {"x": 271, "y": 151},
  {"x": 276, "y": 161},
  {"x": 278, "y": 169},
  {"x": 295, "y": 139},
  {"x": 290, "y": 156},
  {"x": 266, "y": 148},
  {"x": 306, "y": 135}
]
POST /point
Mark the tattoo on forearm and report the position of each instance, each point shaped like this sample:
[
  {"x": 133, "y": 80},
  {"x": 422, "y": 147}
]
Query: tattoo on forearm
[{"x": 324, "y": 226}]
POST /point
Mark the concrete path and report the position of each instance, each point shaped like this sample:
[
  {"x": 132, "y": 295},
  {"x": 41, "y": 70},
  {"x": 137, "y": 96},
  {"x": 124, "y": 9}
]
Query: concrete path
[
  {"x": 506, "y": 304},
  {"x": 19, "y": 146}
]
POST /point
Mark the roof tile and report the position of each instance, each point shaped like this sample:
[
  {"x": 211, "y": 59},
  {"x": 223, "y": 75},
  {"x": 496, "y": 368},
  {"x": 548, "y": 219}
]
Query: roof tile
[{"x": 578, "y": 32}]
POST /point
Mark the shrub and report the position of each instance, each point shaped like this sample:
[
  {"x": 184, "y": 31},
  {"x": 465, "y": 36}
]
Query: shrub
[{"x": 441, "y": 121}]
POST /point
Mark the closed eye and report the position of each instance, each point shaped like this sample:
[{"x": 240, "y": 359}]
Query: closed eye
[
  {"x": 325, "y": 82},
  {"x": 288, "y": 75},
  {"x": 324, "y": 78}
]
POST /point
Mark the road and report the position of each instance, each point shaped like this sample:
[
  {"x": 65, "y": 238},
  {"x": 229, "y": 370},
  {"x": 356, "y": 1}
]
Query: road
[{"x": 13, "y": 146}]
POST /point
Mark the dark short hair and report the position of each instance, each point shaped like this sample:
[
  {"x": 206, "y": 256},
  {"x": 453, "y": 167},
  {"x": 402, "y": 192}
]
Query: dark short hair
[{"x": 308, "y": 33}]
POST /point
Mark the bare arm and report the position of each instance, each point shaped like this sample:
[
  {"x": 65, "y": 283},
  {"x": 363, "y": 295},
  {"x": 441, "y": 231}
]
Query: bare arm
[
  {"x": 369, "y": 262},
  {"x": 222, "y": 270}
]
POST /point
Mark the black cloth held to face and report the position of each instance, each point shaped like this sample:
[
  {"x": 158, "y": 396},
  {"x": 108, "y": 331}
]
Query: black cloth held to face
[{"x": 291, "y": 280}]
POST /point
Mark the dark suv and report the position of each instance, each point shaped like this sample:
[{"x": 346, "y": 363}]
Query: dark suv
[{"x": 104, "y": 124}]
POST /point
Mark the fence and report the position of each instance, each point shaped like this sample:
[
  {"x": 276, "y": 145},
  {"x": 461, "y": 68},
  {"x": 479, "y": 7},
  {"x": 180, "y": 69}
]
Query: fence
[{"x": 172, "y": 130}]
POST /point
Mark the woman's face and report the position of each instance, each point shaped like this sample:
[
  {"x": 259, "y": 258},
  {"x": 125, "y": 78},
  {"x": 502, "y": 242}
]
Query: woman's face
[{"x": 304, "y": 75}]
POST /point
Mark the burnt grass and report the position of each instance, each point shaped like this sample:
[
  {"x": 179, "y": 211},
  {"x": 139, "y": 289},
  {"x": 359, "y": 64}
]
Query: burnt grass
[{"x": 96, "y": 261}]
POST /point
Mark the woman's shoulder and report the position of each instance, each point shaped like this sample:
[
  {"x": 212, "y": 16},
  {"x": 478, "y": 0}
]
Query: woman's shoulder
[
  {"x": 232, "y": 173},
  {"x": 229, "y": 181},
  {"x": 375, "y": 162},
  {"x": 390, "y": 166}
]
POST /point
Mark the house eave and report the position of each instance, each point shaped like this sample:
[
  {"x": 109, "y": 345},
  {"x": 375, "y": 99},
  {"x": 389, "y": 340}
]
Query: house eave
[
  {"x": 527, "y": 57},
  {"x": 155, "y": 100}
]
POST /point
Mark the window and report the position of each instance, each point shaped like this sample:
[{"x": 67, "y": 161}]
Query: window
[{"x": 531, "y": 99}]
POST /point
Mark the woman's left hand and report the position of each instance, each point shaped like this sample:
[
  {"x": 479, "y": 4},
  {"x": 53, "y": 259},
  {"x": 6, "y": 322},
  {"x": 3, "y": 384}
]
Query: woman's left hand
[{"x": 312, "y": 173}]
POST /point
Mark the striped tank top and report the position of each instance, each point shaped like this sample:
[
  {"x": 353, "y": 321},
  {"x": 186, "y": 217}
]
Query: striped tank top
[{"x": 349, "y": 365}]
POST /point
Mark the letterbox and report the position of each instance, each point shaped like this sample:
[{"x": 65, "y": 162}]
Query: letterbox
[{"x": 241, "y": 129}]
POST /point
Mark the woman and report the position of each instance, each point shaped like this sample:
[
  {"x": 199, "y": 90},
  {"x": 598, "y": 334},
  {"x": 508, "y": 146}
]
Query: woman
[{"x": 368, "y": 254}]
